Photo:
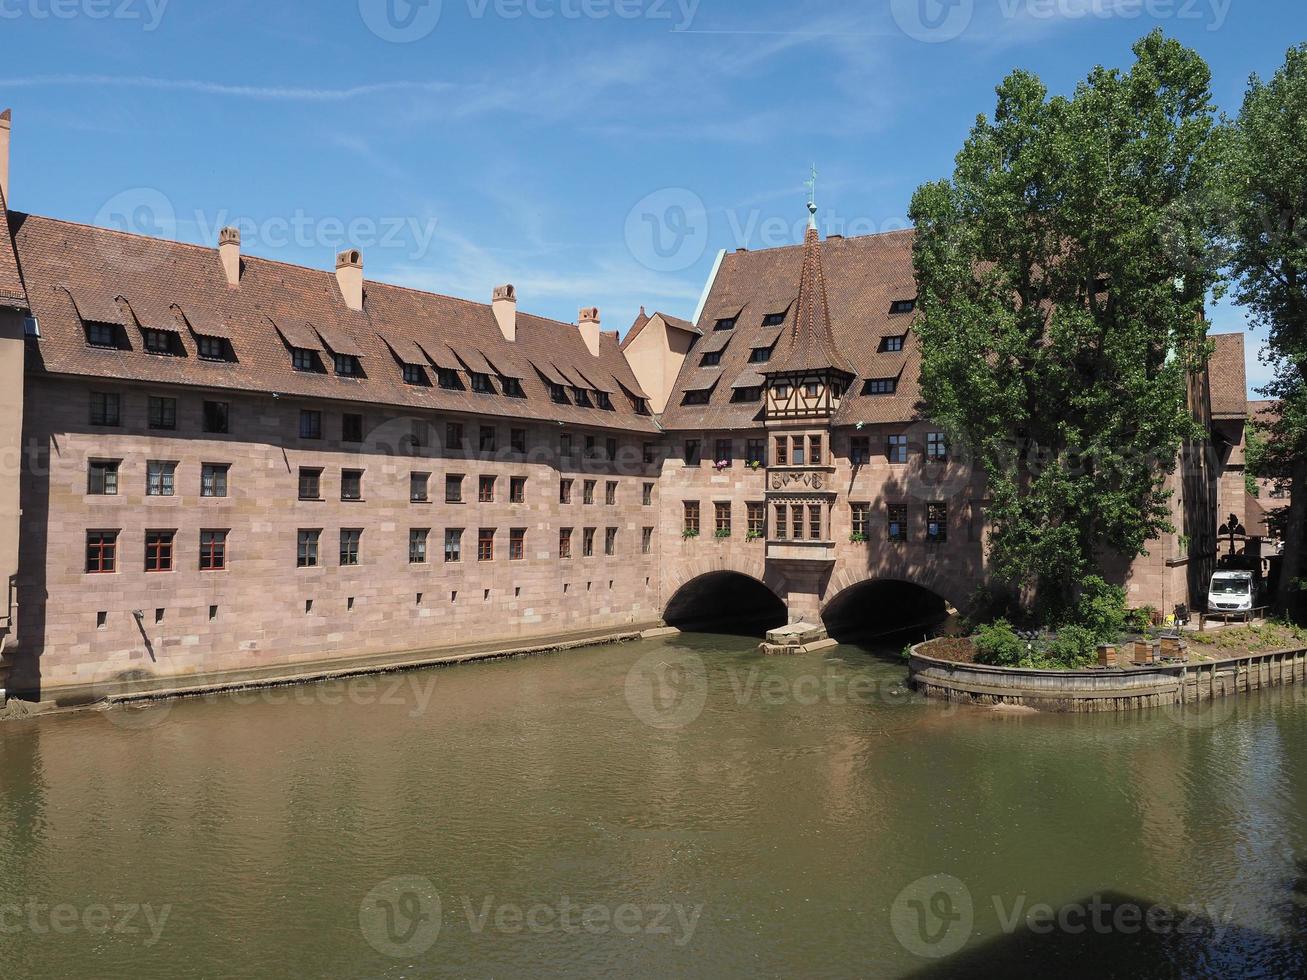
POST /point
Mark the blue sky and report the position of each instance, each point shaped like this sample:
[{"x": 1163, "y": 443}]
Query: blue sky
[{"x": 592, "y": 152}]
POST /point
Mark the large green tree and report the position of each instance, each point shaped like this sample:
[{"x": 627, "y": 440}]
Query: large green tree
[
  {"x": 1063, "y": 271},
  {"x": 1267, "y": 182}
]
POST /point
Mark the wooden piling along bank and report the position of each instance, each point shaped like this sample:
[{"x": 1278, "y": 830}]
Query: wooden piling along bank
[{"x": 1112, "y": 689}]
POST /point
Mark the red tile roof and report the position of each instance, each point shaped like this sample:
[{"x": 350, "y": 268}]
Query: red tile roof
[
  {"x": 810, "y": 346},
  {"x": 1228, "y": 373},
  {"x": 70, "y": 268},
  {"x": 12, "y": 293},
  {"x": 864, "y": 277}
]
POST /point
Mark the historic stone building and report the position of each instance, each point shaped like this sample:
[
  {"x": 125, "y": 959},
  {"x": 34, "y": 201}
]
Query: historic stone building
[{"x": 233, "y": 467}]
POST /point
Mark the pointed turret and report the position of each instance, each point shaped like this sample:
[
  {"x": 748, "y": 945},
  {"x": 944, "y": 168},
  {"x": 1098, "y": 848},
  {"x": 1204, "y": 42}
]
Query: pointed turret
[{"x": 811, "y": 344}]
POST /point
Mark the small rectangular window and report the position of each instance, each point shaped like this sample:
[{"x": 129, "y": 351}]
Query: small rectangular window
[
  {"x": 418, "y": 484},
  {"x": 588, "y": 492},
  {"x": 588, "y": 543},
  {"x": 162, "y": 413},
  {"x": 565, "y": 542},
  {"x": 417, "y": 546},
  {"x": 350, "y": 539},
  {"x": 213, "y": 479},
  {"x": 610, "y": 449},
  {"x": 937, "y": 522},
  {"x": 693, "y": 454},
  {"x": 700, "y": 396},
  {"x": 610, "y": 493},
  {"x": 158, "y": 550},
  {"x": 517, "y": 490},
  {"x": 725, "y": 450},
  {"x": 310, "y": 484},
  {"x": 101, "y": 552},
  {"x": 858, "y": 514},
  {"x": 722, "y": 518},
  {"x": 797, "y": 520},
  {"x": 216, "y": 418},
  {"x": 936, "y": 447},
  {"x": 351, "y": 427},
  {"x": 782, "y": 451},
  {"x": 646, "y": 541},
  {"x": 453, "y": 545},
  {"x": 859, "y": 450},
  {"x": 691, "y": 525},
  {"x": 454, "y": 436},
  {"x": 610, "y": 541},
  {"x": 757, "y": 516},
  {"x": 488, "y": 438},
  {"x": 486, "y": 490},
  {"x": 517, "y": 544},
  {"x": 306, "y": 548},
  {"x": 351, "y": 484},
  {"x": 102, "y": 478},
  {"x": 647, "y": 498},
  {"x": 897, "y": 522},
  {"x": 310, "y": 424},
  {"x": 160, "y": 478},
  {"x": 816, "y": 526},
  {"x": 896, "y": 449},
  {"x": 517, "y": 440},
  {"x": 557, "y": 394},
  {"x": 565, "y": 491},
  {"x": 106, "y": 409},
  {"x": 212, "y": 348},
  {"x": 454, "y": 488},
  {"x": 486, "y": 544},
  {"x": 213, "y": 551},
  {"x": 880, "y": 386},
  {"x": 781, "y": 523}
]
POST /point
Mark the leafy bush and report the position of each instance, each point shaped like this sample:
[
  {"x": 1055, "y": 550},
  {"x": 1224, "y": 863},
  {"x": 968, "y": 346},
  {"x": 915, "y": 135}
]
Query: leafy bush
[
  {"x": 1073, "y": 647},
  {"x": 997, "y": 645},
  {"x": 1100, "y": 610},
  {"x": 1140, "y": 620}
]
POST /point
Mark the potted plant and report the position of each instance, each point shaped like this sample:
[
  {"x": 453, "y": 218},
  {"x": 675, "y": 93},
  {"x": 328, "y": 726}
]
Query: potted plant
[
  {"x": 722, "y": 533},
  {"x": 857, "y": 537},
  {"x": 755, "y": 464},
  {"x": 753, "y": 536},
  {"x": 722, "y": 464},
  {"x": 690, "y": 532}
]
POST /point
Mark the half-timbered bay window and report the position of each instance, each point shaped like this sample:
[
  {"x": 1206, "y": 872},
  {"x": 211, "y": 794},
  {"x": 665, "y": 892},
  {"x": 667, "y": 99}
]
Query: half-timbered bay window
[
  {"x": 897, "y": 522},
  {"x": 782, "y": 450},
  {"x": 798, "y": 516},
  {"x": 937, "y": 522}
]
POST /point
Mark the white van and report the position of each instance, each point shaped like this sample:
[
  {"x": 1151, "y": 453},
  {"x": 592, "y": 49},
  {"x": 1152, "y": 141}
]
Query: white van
[{"x": 1233, "y": 591}]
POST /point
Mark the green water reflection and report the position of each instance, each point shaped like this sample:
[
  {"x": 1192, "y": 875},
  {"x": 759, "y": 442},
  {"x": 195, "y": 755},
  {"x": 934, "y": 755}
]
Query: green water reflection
[{"x": 679, "y": 807}]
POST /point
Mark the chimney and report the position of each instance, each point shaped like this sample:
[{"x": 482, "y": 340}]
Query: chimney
[
  {"x": 588, "y": 321},
  {"x": 505, "y": 307},
  {"x": 349, "y": 277},
  {"x": 229, "y": 254},
  {"x": 6, "y": 118}
]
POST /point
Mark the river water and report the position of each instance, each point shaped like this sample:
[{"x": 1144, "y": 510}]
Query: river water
[{"x": 675, "y": 807}]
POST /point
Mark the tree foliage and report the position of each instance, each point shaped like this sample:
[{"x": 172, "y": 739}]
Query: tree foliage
[
  {"x": 1063, "y": 271},
  {"x": 1266, "y": 182}
]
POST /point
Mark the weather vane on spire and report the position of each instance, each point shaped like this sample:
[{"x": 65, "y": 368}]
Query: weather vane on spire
[{"x": 811, "y": 184}]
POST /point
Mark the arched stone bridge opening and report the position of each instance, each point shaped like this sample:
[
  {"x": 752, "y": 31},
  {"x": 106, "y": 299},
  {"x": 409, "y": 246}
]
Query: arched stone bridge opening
[
  {"x": 725, "y": 602},
  {"x": 879, "y": 606}
]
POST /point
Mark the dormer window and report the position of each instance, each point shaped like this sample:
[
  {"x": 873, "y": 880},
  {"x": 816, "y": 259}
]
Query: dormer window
[
  {"x": 579, "y": 397},
  {"x": 699, "y": 397},
  {"x": 347, "y": 365},
  {"x": 892, "y": 345},
  {"x": 760, "y": 355},
  {"x": 414, "y": 375},
  {"x": 641, "y": 406},
  {"x": 880, "y": 386},
  {"x": 773, "y": 320},
  {"x": 481, "y": 383},
  {"x": 212, "y": 348},
  {"x": 558, "y": 394},
  {"x": 303, "y": 359},
  {"x": 749, "y": 394},
  {"x": 711, "y": 359},
  {"x": 159, "y": 342},
  {"x": 726, "y": 323},
  {"x": 102, "y": 334},
  {"x": 512, "y": 387},
  {"x": 448, "y": 378},
  {"x": 603, "y": 401},
  {"x": 902, "y": 306},
  {"x": 31, "y": 327}
]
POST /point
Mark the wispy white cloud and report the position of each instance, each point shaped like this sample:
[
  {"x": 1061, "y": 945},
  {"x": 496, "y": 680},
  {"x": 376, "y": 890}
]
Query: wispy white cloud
[{"x": 259, "y": 92}]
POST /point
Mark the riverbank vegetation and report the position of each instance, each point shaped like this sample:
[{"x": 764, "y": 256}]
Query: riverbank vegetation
[{"x": 1063, "y": 274}]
